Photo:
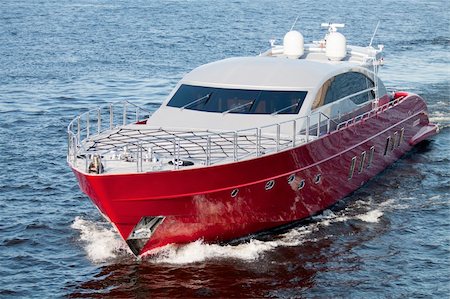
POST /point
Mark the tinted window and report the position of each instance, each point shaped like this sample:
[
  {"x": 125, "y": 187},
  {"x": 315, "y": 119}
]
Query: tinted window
[
  {"x": 237, "y": 100},
  {"x": 185, "y": 95},
  {"x": 232, "y": 100},
  {"x": 349, "y": 83},
  {"x": 280, "y": 102}
]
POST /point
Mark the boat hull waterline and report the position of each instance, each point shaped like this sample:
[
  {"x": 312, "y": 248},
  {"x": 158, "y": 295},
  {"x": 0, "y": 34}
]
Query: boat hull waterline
[{"x": 229, "y": 201}]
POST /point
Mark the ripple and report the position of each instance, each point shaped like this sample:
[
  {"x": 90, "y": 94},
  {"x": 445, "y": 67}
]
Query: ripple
[
  {"x": 14, "y": 242},
  {"x": 37, "y": 226}
]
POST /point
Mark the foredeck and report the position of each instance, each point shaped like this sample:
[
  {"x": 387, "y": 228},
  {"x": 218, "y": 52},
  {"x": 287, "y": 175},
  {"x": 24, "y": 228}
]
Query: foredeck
[
  {"x": 140, "y": 148},
  {"x": 127, "y": 144}
]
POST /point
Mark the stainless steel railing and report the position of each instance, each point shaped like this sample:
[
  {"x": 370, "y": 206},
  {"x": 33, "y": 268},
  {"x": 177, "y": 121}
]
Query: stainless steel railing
[
  {"x": 204, "y": 146},
  {"x": 97, "y": 121}
]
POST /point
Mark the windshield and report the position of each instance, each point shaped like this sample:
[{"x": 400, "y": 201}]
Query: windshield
[{"x": 237, "y": 100}]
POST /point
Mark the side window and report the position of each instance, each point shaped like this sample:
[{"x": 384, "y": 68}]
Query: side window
[
  {"x": 381, "y": 88},
  {"x": 344, "y": 85}
]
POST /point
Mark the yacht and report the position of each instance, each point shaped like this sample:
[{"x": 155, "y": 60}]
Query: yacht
[{"x": 246, "y": 144}]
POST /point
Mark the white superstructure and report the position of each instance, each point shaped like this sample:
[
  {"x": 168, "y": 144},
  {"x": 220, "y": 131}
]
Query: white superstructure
[{"x": 293, "y": 66}]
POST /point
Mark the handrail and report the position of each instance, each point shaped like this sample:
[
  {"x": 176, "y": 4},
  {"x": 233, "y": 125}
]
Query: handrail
[
  {"x": 80, "y": 128},
  {"x": 211, "y": 147},
  {"x": 367, "y": 114}
]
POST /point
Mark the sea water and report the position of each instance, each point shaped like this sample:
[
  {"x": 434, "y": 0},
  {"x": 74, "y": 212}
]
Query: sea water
[{"x": 59, "y": 58}]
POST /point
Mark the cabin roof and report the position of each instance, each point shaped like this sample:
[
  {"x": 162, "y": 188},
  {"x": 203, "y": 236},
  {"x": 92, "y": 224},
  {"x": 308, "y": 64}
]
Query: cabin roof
[{"x": 260, "y": 72}]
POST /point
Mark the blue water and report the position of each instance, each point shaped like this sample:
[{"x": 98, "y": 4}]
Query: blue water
[{"x": 390, "y": 239}]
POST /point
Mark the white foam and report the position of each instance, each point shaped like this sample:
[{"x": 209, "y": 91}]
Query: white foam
[
  {"x": 439, "y": 117},
  {"x": 328, "y": 217},
  {"x": 103, "y": 243},
  {"x": 100, "y": 242},
  {"x": 435, "y": 197},
  {"x": 199, "y": 251},
  {"x": 371, "y": 216}
]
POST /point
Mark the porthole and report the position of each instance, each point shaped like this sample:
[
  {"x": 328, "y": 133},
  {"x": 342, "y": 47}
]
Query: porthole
[
  {"x": 234, "y": 193},
  {"x": 317, "y": 178},
  {"x": 291, "y": 178},
  {"x": 301, "y": 185},
  {"x": 269, "y": 185}
]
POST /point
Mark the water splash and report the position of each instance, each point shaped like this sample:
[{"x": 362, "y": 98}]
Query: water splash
[
  {"x": 371, "y": 216},
  {"x": 103, "y": 243},
  {"x": 100, "y": 242},
  {"x": 440, "y": 117},
  {"x": 199, "y": 251}
]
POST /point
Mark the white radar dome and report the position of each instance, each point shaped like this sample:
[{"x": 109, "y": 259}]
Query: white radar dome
[
  {"x": 293, "y": 44},
  {"x": 336, "y": 47}
]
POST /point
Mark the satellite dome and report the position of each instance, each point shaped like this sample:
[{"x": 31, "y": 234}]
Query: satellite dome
[
  {"x": 336, "y": 47},
  {"x": 293, "y": 44}
]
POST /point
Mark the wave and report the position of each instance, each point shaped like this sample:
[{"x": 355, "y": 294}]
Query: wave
[
  {"x": 440, "y": 117},
  {"x": 100, "y": 242},
  {"x": 104, "y": 244},
  {"x": 199, "y": 251}
]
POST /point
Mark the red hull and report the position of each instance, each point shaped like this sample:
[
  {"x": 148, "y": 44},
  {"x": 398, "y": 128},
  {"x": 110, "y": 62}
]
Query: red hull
[{"x": 197, "y": 202}]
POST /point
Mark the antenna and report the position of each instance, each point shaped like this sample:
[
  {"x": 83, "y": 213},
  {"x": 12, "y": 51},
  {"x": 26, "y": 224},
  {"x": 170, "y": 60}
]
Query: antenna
[
  {"x": 375, "y": 32},
  {"x": 332, "y": 27},
  {"x": 295, "y": 22}
]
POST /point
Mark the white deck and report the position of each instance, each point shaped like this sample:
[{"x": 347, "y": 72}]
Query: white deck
[{"x": 138, "y": 148}]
